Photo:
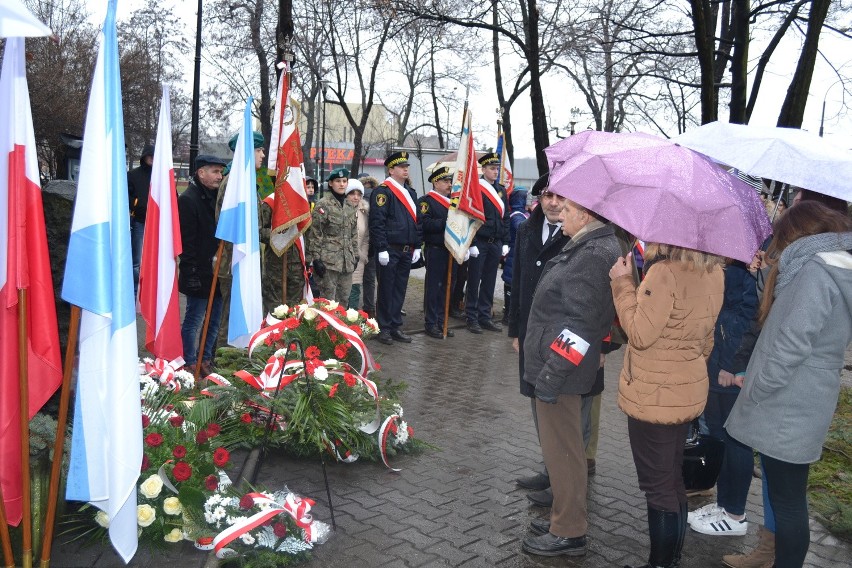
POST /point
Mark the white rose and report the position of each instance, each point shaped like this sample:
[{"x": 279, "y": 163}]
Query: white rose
[
  {"x": 172, "y": 506},
  {"x": 145, "y": 515},
  {"x": 373, "y": 323},
  {"x": 175, "y": 536},
  {"x": 310, "y": 314},
  {"x": 280, "y": 311},
  {"x": 320, "y": 373},
  {"x": 332, "y": 305},
  {"x": 151, "y": 487},
  {"x": 102, "y": 519},
  {"x": 351, "y": 315}
]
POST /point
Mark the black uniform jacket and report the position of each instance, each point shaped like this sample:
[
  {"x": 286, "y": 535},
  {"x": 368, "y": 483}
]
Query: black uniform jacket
[
  {"x": 390, "y": 221},
  {"x": 432, "y": 217},
  {"x": 496, "y": 226}
]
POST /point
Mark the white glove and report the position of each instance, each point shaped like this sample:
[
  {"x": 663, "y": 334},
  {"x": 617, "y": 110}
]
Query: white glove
[
  {"x": 415, "y": 256},
  {"x": 384, "y": 258},
  {"x": 473, "y": 251},
  {"x": 505, "y": 250},
  {"x": 466, "y": 255}
]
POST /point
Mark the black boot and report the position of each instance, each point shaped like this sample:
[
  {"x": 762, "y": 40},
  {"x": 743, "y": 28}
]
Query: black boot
[
  {"x": 682, "y": 524},
  {"x": 507, "y": 294},
  {"x": 664, "y": 529}
]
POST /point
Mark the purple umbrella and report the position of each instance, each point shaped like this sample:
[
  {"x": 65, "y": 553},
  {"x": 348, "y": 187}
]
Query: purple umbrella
[{"x": 660, "y": 192}]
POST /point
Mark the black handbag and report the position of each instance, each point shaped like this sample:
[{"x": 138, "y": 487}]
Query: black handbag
[{"x": 702, "y": 459}]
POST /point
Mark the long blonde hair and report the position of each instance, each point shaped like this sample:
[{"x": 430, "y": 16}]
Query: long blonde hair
[{"x": 696, "y": 259}]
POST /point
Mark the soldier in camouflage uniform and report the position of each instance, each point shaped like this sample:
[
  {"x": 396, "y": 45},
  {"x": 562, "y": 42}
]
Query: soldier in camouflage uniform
[{"x": 333, "y": 240}]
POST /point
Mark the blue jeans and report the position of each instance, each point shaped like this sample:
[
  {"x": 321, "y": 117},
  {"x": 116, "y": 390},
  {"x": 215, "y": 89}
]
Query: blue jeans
[
  {"x": 738, "y": 463},
  {"x": 788, "y": 485},
  {"x": 137, "y": 236},
  {"x": 193, "y": 321}
]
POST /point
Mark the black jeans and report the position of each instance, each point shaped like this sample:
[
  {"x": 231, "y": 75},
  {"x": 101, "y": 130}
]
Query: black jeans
[
  {"x": 658, "y": 455},
  {"x": 788, "y": 484}
]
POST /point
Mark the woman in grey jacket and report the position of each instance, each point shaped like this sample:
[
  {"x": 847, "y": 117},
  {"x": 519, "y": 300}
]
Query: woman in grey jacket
[{"x": 793, "y": 379}]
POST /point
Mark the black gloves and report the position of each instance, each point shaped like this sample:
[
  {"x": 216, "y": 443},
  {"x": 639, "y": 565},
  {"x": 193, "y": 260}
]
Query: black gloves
[{"x": 319, "y": 268}]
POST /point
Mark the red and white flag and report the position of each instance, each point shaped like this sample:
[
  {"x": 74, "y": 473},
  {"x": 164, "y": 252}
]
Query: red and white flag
[
  {"x": 507, "y": 178},
  {"x": 291, "y": 210},
  {"x": 466, "y": 216},
  {"x": 24, "y": 265},
  {"x": 158, "y": 293}
]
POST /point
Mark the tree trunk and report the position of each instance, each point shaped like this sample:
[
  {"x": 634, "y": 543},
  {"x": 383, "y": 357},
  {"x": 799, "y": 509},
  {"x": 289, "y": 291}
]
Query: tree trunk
[
  {"x": 539, "y": 118},
  {"x": 793, "y": 109},
  {"x": 265, "y": 99},
  {"x": 705, "y": 44},
  {"x": 739, "y": 62},
  {"x": 505, "y": 106}
]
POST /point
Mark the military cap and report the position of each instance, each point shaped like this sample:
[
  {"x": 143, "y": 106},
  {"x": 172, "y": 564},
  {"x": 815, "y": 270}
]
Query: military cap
[
  {"x": 440, "y": 173},
  {"x": 541, "y": 184},
  {"x": 338, "y": 173},
  {"x": 208, "y": 160},
  {"x": 257, "y": 136},
  {"x": 354, "y": 185},
  {"x": 396, "y": 159},
  {"x": 490, "y": 159}
]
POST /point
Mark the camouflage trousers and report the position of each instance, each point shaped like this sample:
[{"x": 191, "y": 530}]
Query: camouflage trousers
[{"x": 336, "y": 286}]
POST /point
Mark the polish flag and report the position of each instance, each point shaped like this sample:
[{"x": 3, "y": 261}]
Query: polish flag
[
  {"x": 24, "y": 265},
  {"x": 158, "y": 295}
]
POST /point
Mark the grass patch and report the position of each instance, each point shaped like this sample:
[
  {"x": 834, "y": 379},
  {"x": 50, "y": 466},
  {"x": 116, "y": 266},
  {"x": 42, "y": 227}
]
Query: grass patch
[{"x": 830, "y": 480}]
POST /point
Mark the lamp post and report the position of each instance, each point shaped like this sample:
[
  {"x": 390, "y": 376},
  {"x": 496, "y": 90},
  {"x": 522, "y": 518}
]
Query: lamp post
[
  {"x": 196, "y": 86},
  {"x": 575, "y": 112},
  {"x": 322, "y": 149},
  {"x": 824, "y": 97}
]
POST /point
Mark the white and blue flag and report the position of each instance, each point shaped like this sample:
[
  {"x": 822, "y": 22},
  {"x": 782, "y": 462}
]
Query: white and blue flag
[
  {"x": 106, "y": 443},
  {"x": 238, "y": 225}
]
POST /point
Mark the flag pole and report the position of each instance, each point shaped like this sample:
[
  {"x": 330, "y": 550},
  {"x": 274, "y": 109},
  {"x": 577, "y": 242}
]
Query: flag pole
[
  {"x": 200, "y": 358},
  {"x": 59, "y": 444},
  {"x": 23, "y": 379},
  {"x": 447, "y": 290},
  {"x": 8, "y": 557}
]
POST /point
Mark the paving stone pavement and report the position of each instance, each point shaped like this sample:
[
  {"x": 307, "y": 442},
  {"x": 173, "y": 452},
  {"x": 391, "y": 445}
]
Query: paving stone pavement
[{"x": 458, "y": 505}]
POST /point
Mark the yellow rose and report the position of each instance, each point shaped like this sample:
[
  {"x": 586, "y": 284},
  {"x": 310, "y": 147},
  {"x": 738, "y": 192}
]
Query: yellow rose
[
  {"x": 175, "y": 536},
  {"x": 151, "y": 487},
  {"x": 172, "y": 506},
  {"x": 145, "y": 515},
  {"x": 102, "y": 519}
]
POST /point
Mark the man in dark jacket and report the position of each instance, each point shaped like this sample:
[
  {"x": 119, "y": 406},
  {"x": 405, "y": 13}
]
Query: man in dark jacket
[
  {"x": 395, "y": 240},
  {"x": 432, "y": 216},
  {"x": 197, "y": 211},
  {"x": 138, "y": 187},
  {"x": 489, "y": 245},
  {"x": 571, "y": 313},
  {"x": 520, "y": 213}
]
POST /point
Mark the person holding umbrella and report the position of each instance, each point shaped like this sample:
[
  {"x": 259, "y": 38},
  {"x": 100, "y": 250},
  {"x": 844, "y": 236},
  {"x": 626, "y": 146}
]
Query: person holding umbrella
[{"x": 669, "y": 322}]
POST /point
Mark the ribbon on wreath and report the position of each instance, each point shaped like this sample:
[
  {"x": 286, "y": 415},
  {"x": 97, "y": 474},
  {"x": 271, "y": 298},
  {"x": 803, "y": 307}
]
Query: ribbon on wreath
[
  {"x": 216, "y": 379},
  {"x": 297, "y": 507},
  {"x": 387, "y": 428},
  {"x": 164, "y": 370}
]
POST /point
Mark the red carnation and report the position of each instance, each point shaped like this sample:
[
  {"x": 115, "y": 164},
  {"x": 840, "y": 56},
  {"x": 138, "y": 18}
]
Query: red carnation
[
  {"x": 333, "y": 336},
  {"x": 280, "y": 530},
  {"x": 290, "y": 323},
  {"x": 179, "y": 452},
  {"x": 311, "y": 365},
  {"x": 349, "y": 379},
  {"x": 322, "y": 325},
  {"x": 221, "y": 456},
  {"x": 363, "y": 314},
  {"x": 201, "y": 437},
  {"x": 410, "y": 432},
  {"x": 246, "y": 502},
  {"x": 145, "y": 421},
  {"x": 312, "y": 352},
  {"x": 170, "y": 407},
  {"x": 211, "y": 482},
  {"x": 213, "y": 429},
  {"x": 356, "y": 329},
  {"x": 245, "y": 418},
  {"x": 182, "y": 471},
  {"x": 333, "y": 390},
  {"x": 176, "y": 421},
  {"x": 146, "y": 462},
  {"x": 154, "y": 439},
  {"x": 340, "y": 351},
  {"x": 292, "y": 347}
]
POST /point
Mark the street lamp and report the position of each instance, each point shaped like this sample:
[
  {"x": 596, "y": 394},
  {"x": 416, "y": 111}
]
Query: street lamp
[
  {"x": 196, "y": 86},
  {"x": 322, "y": 150},
  {"x": 824, "y": 97},
  {"x": 575, "y": 113}
]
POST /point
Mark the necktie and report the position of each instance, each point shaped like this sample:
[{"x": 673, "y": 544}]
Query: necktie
[{"x": 552, "y": 230}]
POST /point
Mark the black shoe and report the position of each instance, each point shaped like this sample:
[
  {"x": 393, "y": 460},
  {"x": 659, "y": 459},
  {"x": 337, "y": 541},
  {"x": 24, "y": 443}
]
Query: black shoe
[
  {"x": 551, "y": 545},
  {"x": 457, "y": 313},
  {"x": 539, "y": 527},
  {"x": 384, "y": 337},
  {"x": 490, "y": 325},
  {"x": 473, "y": 327},
  {"x": 450, "y": 333},
  {"x": 403, "y": 313},
  {"x": 397, "y": 335},
  {"x": 435, "y": 332},
  {"x": 536, "y": 482},
  {"x": 542, "y": 498}
]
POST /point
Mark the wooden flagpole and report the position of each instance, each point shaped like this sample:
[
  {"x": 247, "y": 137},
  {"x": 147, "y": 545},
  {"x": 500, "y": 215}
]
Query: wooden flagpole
[
  {"x": 8, "y": 557},
  {"x": 209, "y": 307},
  {"x": 59, "y": 445},
  {"x": 23, "y": 380}
]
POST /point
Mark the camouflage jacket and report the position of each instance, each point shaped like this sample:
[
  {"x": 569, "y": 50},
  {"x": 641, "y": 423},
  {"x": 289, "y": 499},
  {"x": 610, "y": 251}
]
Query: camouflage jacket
[{"x": 333, "y": 235}]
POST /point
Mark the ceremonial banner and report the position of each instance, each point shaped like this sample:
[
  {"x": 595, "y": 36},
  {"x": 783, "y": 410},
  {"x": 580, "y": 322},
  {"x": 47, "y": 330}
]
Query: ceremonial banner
[
  {"x": 24, "y": 265},
  {"x": 158, "y": 292},
  {"x": 465, "y": 217},
  {"x": 238, "y": 225},
  {"x": 506, "y": 178},
  {"x": 106, "y": 444}
]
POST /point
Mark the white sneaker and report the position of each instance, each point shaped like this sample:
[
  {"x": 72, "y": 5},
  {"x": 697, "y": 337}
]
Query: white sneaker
[
  {"x": 720, "y": 524},
  {"x": 706, "y": 511}
]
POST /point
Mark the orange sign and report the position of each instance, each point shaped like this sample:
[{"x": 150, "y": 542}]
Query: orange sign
[{"x": 333, "y": 156}]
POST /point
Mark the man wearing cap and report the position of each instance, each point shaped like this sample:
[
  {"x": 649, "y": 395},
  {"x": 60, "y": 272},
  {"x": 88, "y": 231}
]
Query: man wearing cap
[
  {"x": 138, "y": 186},
  {"x": 491, "y": 243},
  {"x": 395, "y": 240},
  {"x": 333, "y": 240},
  {"x": 197, "y": 212},
  {"x": 432, "y": 215}
]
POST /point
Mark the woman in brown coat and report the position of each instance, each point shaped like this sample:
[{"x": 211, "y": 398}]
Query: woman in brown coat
[{"x": 669, "y": 323}]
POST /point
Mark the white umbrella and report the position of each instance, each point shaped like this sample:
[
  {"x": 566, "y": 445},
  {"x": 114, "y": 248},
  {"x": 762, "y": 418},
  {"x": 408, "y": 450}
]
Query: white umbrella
[{"x": 788, "y": 155}]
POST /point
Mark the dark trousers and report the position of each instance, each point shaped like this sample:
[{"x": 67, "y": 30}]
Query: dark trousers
[
  {"x": 788, "y": 484},
  {"x": 459, "y": 282},
  {"x": 437, "y": 258},
  {"x": 658, "y": 456},
  {"x": 481, "y": 279},
  {"x": 393, "y": 281},
  {"x": 368, "y": 286},
  {"x": 737, "y": 466}
]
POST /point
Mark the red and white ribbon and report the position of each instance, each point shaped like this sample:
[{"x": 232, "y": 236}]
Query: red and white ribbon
[
  {"x": 164, "y": 370},
  {"x": 384, "y": 432}
]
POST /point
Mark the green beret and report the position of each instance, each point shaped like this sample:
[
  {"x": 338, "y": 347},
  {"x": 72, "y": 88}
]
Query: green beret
[
  {"x": 339, "y": 173},
  {"x": 257, "y": 136}
]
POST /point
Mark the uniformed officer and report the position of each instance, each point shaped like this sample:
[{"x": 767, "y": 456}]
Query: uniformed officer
[
  {"x": 491, "y": 243},
  {"x": 333, "y": 239},
  {"x": 395, "y": 240},
  {"x": 432, "y": 214}
]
